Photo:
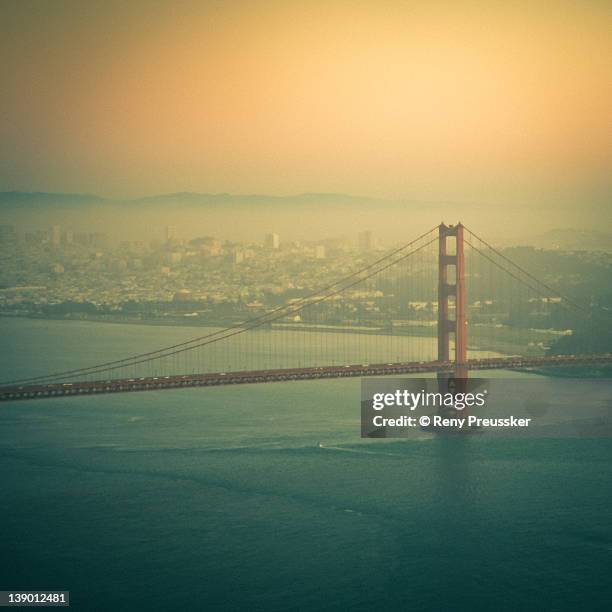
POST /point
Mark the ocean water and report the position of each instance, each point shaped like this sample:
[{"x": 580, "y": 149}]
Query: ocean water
[{"x": 264, "y": 497}]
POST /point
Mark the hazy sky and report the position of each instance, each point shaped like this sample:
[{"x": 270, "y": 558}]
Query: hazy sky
[{"x": 467, "y": 100}]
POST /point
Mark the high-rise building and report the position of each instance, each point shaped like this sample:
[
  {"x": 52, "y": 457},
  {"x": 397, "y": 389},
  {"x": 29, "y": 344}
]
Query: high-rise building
[
  {"x": 68, "y": 237},
  {"x": 170, "y": 233},
  {"x": 56, "y": 235},
  {"x": 320, "y": 251},
  {"x": 272, "y": 241}
]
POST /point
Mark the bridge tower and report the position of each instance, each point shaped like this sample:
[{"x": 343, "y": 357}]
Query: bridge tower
[{"x": 451, "y": 285}]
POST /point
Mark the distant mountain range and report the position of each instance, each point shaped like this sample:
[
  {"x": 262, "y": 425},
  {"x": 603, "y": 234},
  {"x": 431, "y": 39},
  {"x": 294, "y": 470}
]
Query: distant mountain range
[{"x": 19, "y": 199}]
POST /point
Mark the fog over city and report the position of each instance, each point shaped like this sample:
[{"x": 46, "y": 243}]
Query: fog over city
[{"x": 308, "y": 216}]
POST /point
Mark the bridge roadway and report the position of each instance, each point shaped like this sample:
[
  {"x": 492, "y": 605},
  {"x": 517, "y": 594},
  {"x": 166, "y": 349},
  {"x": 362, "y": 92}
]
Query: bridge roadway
[{"x": 124, "y": 385}]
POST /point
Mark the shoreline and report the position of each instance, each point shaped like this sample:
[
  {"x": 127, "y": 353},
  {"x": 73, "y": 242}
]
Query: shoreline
[{"x": 194, "y": 322}]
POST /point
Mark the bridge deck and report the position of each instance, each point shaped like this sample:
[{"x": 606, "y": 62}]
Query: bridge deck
[{"x": 124, "y": 385}]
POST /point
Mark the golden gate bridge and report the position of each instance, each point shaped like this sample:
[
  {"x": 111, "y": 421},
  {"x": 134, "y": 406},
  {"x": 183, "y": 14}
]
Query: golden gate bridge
[{"x": 408, "y": 311}]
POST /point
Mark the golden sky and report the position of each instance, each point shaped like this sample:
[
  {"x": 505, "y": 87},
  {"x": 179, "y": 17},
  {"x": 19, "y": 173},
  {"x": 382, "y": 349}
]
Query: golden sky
[{"x": 396, "y": 99}]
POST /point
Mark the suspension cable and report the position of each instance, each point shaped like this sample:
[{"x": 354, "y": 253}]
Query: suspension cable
[{"x": 238, "y": 328}]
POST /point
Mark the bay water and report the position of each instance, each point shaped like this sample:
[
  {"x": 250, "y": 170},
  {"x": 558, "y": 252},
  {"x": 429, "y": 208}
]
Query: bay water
[{"x": 264, "y": 497}]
